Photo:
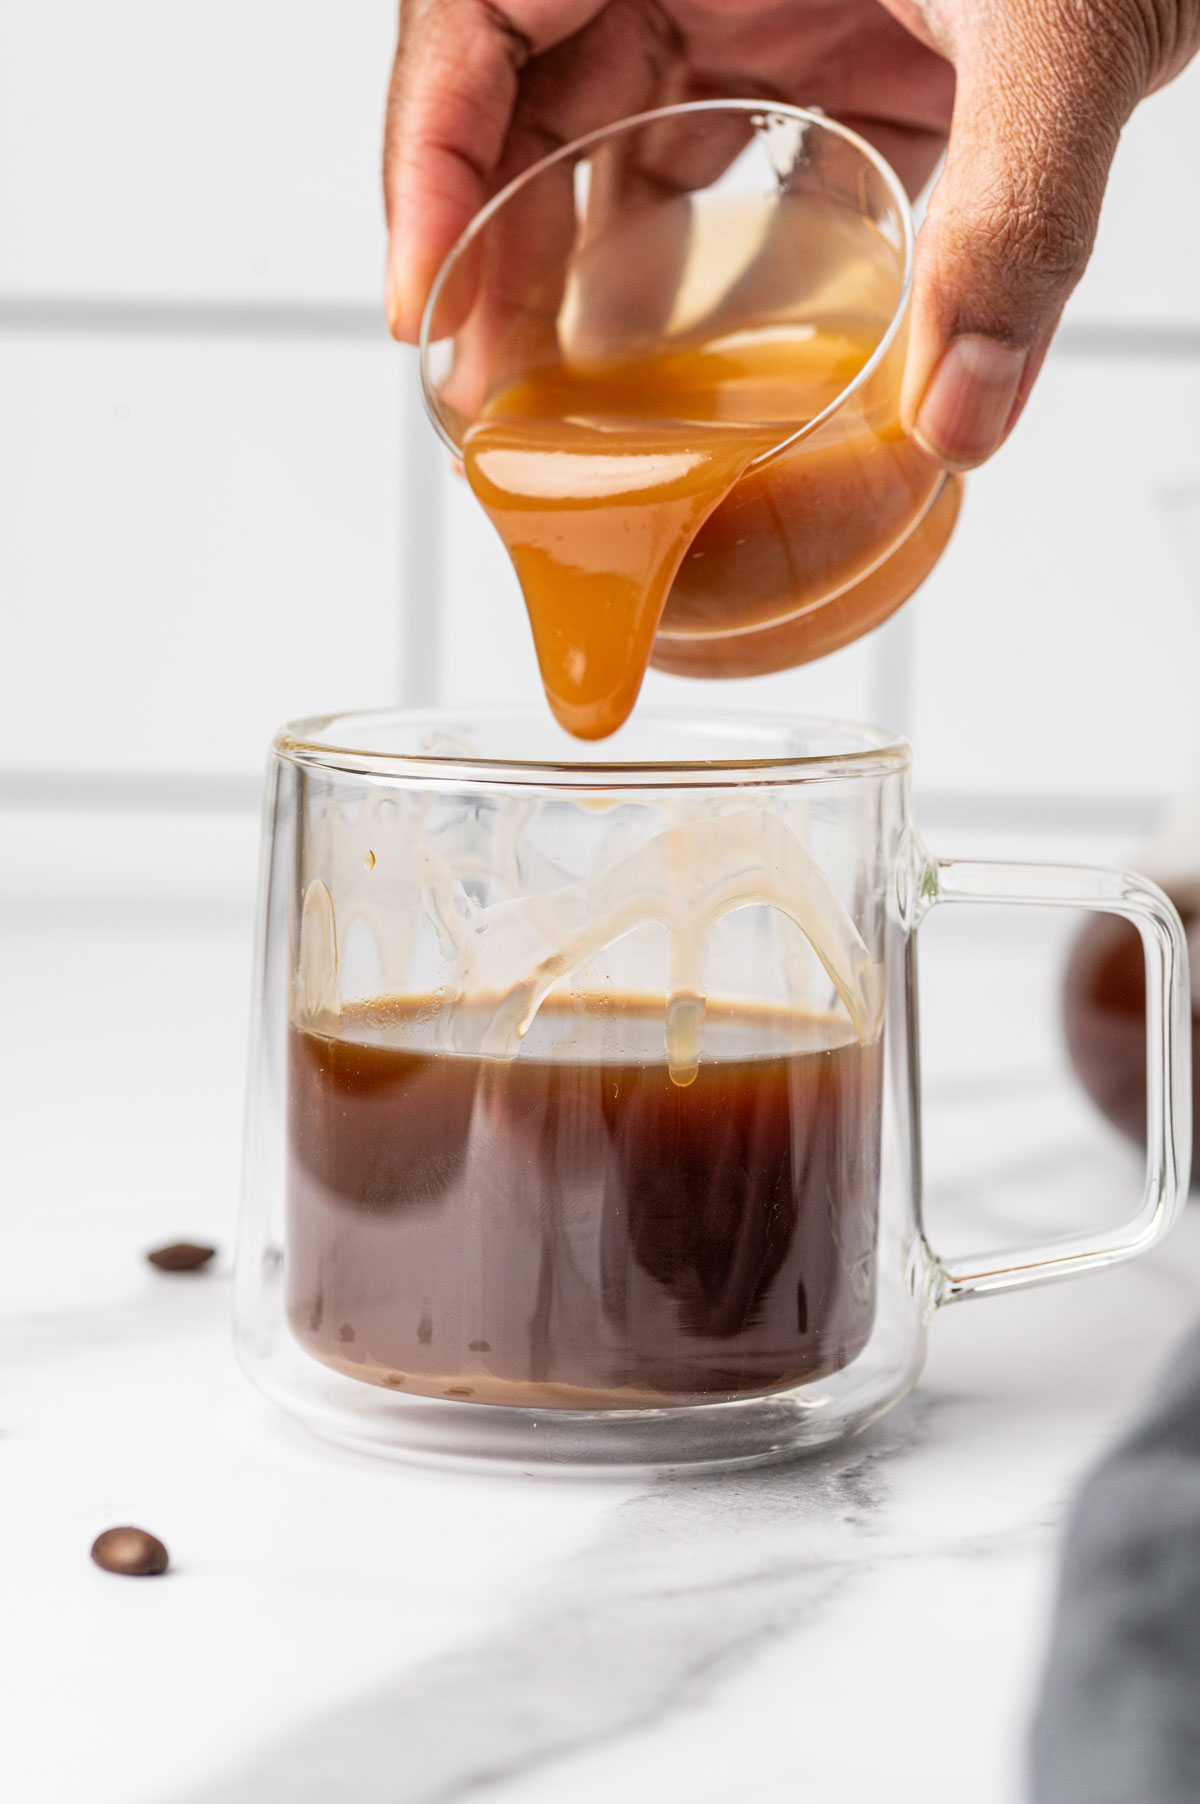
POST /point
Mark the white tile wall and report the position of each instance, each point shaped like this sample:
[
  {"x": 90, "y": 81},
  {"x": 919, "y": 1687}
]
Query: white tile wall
[
  {"x": 1055, "y": 649},
  {"x": 483, "y": 640},
  {"x": 231, "y": 149},
  {"x": 201, "y": 540},
  {"x": 1057, "y": 646},
  {"x": 1146, "y": 265},
  {"x": 113, "y": 856},
  {"x": 224, "y": 509}
]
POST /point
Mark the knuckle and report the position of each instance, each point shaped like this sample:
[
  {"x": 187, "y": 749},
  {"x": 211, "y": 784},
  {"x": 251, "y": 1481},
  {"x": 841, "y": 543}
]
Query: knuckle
[
  {"x": 517, "y": 42},
  {"x": 1023, "y": 204},
  {"x": 1037, "y": 231},
  {"x": 664, "y": 36}
]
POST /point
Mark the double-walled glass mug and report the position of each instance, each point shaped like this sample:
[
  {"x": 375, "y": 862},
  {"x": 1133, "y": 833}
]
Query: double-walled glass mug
[
  {"x": 584, "y": 1113},
  {"x": 720, "y": 267}
]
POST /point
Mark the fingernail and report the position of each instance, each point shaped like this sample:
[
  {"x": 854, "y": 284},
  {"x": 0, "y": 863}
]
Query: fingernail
[
  {"x": 965, "y": 410},
  {"x": 391, "y": 298}
]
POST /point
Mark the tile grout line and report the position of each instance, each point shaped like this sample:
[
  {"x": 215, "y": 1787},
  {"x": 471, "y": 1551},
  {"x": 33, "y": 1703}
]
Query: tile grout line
[
  {"x": 104, "y": 316},
  {"x": 101, "y": 318},
  {"x": 892, "y": 673}
]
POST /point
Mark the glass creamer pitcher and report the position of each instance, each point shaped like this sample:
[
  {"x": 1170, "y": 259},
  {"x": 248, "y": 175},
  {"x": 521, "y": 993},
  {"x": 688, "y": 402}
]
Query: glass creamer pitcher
[
  {"x": 584, "y": 1119},
  {"x": 687, "y": 331}
]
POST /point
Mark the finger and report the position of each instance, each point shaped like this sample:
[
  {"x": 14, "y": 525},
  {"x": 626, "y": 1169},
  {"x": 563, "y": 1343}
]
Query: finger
[
  {"x": 641, "y": 230},
  {"x": 912, "y": 151},
  {"x": 809, "y": 259},
  {"x": 619, "y": 62},
  {"x": 1037, "y": 115},
  {"x": 504, "y": 303},
  {"x": 501, "y": 301},
  {"x": 622, "y": 63},
  {"x": 453, "y": 93}
]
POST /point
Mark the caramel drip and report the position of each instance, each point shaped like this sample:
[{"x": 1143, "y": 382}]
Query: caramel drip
[{"x": 598, "y": 480}]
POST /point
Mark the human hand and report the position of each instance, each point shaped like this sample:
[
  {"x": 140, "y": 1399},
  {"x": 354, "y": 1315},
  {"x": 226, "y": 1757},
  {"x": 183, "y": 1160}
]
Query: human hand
[{"x": 1027, "y": 97}]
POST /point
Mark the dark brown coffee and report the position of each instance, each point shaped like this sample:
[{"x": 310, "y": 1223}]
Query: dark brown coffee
[{"x": 572, "y": 1229}]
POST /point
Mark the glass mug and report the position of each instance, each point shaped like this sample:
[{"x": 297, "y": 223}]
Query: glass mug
[
  {"x": 716, "y": 225},
  {"x": 584, "y": 1113}
]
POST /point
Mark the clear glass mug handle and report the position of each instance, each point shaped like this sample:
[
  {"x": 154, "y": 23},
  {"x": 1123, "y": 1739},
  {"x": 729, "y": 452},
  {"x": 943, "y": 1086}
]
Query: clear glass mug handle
[{"x": 1168, "y": 1061}]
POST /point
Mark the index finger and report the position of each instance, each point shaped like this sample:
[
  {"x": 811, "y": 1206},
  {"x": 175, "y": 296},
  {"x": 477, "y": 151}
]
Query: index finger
[{"x": 451, "y": 101}]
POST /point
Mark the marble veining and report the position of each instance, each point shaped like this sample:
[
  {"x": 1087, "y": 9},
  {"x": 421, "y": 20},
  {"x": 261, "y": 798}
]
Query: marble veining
[
  {"x": 687, "y": 1582},
  {"x": 861, "y": 1625}
]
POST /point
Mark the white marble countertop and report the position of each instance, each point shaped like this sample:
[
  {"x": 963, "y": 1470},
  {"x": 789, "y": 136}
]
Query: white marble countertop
[{"x": 860, "y": 1627}]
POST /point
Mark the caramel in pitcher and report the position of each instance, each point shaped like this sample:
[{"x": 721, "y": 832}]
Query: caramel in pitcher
[{"x": 623, "y": 493}]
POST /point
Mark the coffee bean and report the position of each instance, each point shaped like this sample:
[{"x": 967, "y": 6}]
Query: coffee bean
[
  {"x": 131, "y": 1551},
  {"x": 181, "y": 1256}
]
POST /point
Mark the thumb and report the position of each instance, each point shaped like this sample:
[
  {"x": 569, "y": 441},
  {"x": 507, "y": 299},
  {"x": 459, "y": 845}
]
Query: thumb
[{"x": 1012, "y": 219}]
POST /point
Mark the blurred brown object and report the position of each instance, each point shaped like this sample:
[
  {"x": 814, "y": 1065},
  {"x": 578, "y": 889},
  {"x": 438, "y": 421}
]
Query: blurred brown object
[
  {"x": 1104, "y": 1016},
  {"x": 132, "y": 1552},
  {"x": 181, "y": 1256}
]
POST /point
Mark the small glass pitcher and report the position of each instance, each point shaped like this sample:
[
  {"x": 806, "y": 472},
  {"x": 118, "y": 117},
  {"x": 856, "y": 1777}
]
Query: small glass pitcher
[
  {"x": 714, "y": 222},
  {"x": 584, "y": 1110}
]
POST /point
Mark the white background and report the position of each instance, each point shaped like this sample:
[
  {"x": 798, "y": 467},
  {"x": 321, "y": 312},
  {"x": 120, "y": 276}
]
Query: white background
[{"x": 222, "y": 506}]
